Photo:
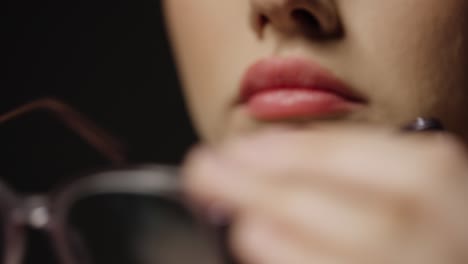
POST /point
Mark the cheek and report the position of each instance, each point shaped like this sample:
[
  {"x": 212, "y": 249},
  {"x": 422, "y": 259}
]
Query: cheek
[
  {"x": 209, "y": 37},
  {"x": 413, "y": 51}
]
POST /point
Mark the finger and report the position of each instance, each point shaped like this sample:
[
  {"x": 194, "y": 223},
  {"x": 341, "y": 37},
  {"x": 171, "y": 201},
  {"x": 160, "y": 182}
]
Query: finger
[
  {"x": 368, "y": 160},
  {"x": 256, "y": 240},
  {"x": 333, "y": 221}
]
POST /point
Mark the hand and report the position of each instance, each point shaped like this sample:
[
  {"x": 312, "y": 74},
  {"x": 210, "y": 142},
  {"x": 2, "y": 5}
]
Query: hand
[{"x": 339, "y": 195}]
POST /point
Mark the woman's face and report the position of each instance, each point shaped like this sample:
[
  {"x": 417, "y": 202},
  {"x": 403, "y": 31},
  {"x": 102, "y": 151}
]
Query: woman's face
[{"x": 401, "y": 58}]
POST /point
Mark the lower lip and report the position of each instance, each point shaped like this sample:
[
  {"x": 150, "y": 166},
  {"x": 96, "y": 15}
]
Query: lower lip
[{"x": 297, "y": 103}]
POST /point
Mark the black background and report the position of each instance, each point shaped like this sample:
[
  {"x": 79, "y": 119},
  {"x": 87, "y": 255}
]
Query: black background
[{"x": 110, "y": 60}]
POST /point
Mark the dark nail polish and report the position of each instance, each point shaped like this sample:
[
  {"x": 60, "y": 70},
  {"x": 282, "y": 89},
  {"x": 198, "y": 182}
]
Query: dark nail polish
[{"x": 424, "y": 124}]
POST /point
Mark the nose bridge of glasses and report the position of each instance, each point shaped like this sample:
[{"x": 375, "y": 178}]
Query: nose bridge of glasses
[{"x": 34, "y": 212}]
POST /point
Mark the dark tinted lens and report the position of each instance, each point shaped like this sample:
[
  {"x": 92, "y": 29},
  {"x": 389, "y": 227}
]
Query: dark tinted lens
[{"x": 137, "y": 229}]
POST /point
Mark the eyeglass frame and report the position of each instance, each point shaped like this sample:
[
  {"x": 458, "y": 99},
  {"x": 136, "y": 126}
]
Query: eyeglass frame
[{"x": 47, "y": 212}]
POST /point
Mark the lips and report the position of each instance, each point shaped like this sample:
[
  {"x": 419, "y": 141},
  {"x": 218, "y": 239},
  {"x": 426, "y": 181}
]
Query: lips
[{"x": 285, "y": 88}]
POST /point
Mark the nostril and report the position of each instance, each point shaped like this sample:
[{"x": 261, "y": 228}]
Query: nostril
[
  {"x": 306, "y": 20},
  {"x": 318, "y": 20},
  {"x": 263, "y": 20}
]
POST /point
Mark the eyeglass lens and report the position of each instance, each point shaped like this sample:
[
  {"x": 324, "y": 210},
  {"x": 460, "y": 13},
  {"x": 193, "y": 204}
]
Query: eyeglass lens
[{"x": 137, "y": 229}]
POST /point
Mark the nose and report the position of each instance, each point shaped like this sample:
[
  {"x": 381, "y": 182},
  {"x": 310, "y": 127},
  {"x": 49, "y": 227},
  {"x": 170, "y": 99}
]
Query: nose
[{"x": 314, "y": 18}]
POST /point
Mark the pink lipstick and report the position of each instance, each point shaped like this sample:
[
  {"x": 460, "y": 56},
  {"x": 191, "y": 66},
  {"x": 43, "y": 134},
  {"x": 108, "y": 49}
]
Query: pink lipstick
[{"x": 285, "y": 88}]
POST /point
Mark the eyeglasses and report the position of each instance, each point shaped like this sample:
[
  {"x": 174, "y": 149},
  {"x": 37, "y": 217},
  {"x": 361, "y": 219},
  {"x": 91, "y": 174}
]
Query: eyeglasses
[{"x": 122, "y": 215}]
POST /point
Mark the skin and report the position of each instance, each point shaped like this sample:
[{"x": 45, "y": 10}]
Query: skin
[
  {"x": 407, "y": 57},
  {"x": 349, "y": 189}
]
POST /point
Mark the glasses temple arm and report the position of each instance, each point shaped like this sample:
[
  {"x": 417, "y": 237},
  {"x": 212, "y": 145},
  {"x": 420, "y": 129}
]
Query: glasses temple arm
[{"x": 100, "y": 140}]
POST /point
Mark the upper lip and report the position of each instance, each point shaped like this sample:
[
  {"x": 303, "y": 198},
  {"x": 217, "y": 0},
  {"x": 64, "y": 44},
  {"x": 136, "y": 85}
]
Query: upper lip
[{"x": 292, "y": 73}]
